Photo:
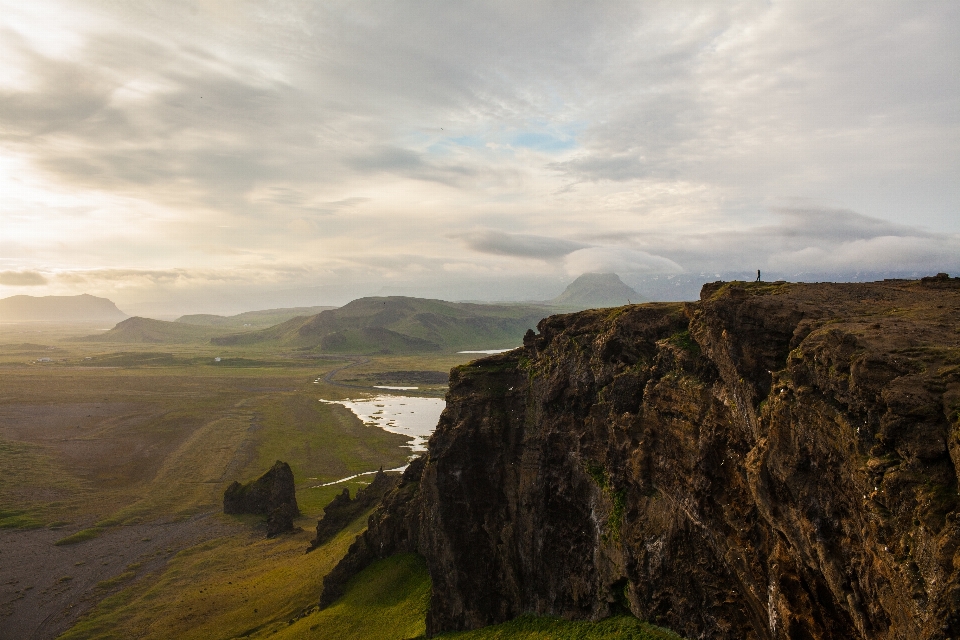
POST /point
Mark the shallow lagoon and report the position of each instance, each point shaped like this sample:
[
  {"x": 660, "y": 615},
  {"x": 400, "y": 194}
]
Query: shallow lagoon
[{"x": 415, "y": 417}]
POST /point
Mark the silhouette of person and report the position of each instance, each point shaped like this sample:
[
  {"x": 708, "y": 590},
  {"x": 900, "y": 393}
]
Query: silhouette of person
[{"x": 758, "y": 275}]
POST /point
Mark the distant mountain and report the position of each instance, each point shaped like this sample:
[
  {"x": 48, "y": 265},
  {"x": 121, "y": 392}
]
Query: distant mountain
[
  {"x": 139, "y": 330},
  {"x": 399, "y": 324},
  {"x": 593, "y": 290},
  {"x": 255, "y": 319},
  {"x": 66, "y": 309}
]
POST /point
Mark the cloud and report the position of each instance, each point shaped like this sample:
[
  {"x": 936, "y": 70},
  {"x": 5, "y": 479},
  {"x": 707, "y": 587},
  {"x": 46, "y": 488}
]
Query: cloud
[
  {"x": 240, "y": 274},
  {"x": 22, "y": 278},
  {"x": 619, "y": 260},
  {"x": 876, "y": 254},
  {"x": 518, "y": 245},
  {"x": 834, "y": 225},
  {"x": 181, "y": 142},
  {"x": 407, "y": 163},
  {"x": 805, "y": 239}
]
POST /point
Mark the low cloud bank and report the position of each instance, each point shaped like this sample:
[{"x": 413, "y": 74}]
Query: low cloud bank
[{"x": 22, "y": 278}]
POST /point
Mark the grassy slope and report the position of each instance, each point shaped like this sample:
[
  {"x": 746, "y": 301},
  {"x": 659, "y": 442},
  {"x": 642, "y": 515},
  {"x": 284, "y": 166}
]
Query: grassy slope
[
  {"x": 386, "y": 601},
  {"x": 225, "y": 588},
  {"x": 422, "y": 325},
  {"x": 138, "y": 330}
]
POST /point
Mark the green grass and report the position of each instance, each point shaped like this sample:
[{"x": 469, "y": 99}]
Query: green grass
[
  {"x": 537, "y": 628},
  {"x": 386, "y": 601},
  {"x": 110, "y": 583},
  {"x": 242, "y": 584},
  {"x": 683, "y": 340},
  {"x": 18, "y": 519},
  {"x": 312, "y": 499},
  {"x": 80, "y": 536},
  {"x": 325, "y": 441}
]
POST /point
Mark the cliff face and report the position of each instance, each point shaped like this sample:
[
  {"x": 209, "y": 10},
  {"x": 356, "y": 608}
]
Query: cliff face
[{"x": 775, "y": 461}]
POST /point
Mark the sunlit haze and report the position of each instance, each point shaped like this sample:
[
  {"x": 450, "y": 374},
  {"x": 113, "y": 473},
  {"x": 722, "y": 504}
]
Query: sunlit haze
[{"x": 185, "y": 157}]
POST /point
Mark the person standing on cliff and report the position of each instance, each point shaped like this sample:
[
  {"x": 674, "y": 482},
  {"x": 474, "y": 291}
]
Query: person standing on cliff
[{"x": 758, "y": 275}]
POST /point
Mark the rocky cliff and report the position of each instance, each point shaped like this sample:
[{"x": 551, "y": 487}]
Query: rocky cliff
[{"x": 775, "y": 461}]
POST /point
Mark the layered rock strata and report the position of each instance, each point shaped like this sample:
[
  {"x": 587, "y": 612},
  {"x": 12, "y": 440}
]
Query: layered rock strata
[{"x": 775, "y": 461}]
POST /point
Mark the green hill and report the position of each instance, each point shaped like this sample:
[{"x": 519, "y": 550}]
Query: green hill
[
  {"x": 399, "y": 324},
  {"x": 139, "y": 330},
  {"x": 252, "y": 319},
  {"x": 596, "y": 290}
]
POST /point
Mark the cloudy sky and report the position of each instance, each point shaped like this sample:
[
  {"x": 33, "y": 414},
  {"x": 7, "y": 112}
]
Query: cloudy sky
[{"x": 219, "y": 156}]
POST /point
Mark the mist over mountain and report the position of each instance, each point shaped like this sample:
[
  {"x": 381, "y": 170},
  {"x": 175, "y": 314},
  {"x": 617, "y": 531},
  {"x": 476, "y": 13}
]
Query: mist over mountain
[
  {"x": 593, "y": 290},
  {"x": 262, "y": 318},
  {"x": 66, "y": 309}
]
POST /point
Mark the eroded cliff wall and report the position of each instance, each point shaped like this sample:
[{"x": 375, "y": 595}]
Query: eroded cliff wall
[{"x": 774, "y": 461}]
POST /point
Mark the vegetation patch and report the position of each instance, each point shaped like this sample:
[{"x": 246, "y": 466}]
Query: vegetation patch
[
  {"x": 618, "y": 498},
  {"x": 487, "y": 366},
  {"x": 386, "y": 601},
  {"x": 615, "y": 519},
  {"x": 537, "y": 628},
  {"x": 80, "y": 536},
  {"x": 110, "y": 583},
  {"x": 18, "y": 519},
  {"x": 683, "y": 340},
  {"x": 220, "y": 589},
  {"x": 599, "y": 474}
]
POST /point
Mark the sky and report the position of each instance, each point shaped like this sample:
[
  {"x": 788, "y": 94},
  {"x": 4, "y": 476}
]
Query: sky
[{"x": 221, "y": 156}]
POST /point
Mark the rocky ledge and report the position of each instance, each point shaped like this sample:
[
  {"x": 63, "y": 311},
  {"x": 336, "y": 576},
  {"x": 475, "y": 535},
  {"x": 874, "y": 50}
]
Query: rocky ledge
[{"x": 774, "y": 461}]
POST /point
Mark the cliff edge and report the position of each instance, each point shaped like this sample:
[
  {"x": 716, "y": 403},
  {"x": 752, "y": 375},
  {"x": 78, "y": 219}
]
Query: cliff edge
[{"x": 775, "y": 461}]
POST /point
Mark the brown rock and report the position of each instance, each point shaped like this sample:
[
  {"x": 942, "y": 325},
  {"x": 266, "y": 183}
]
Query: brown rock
[{"x": 274, "y": 494}]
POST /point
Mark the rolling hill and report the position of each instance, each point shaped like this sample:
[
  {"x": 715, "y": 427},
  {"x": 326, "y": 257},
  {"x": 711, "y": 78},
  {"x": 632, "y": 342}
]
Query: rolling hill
[
  {"x": 139, "y": 330},
  {"x": 399, "y": 324},
  {"x": 254, "y": 319},
  {"x": 595, "y": 290},
  {"x": 64, "y": 309}
]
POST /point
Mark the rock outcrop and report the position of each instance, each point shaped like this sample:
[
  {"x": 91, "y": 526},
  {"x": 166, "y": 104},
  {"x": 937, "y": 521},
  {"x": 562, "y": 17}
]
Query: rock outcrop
[
  {"x": 343, "y": 509},
  {"x": 775, "y": 461},
  {"x": 274, "y": 494}
]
